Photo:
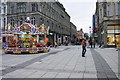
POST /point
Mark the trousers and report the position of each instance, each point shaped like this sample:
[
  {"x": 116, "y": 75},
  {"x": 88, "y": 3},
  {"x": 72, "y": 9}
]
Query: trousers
[{"x": 83, "y": 51}]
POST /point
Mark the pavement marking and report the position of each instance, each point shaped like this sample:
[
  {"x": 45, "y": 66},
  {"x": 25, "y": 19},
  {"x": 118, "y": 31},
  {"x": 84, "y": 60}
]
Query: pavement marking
[
  {"x": 102, "y": 67},
  {"x": 24, "y": 64}
]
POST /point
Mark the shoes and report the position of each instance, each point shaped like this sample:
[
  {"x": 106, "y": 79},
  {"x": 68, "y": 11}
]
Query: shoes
[{"x": 83, "y": 56}]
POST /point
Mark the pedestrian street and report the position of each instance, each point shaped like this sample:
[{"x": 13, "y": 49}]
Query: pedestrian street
[{"x": 63, "y": 62}]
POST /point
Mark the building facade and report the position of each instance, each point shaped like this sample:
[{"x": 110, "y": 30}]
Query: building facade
[
  {"x": 73, "y": 31},
  {"x": 51, "y": 14},
  {"x": 79, "y": 36},
  {"x": 108, "y": 23},
  {"x": 3, "y": 15}
]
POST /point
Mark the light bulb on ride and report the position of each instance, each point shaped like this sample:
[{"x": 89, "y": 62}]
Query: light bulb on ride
[{"x": 28, "y": 18}]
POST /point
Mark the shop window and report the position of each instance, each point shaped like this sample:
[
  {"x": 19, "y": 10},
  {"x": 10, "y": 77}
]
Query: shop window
[
  {"x": 117, "y": 38},
  {"x": 111, "y": 39}
]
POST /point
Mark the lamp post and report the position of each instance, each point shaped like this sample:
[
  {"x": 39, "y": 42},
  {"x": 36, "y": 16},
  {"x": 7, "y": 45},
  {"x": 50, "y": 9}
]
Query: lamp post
[{"x": 90, "y": 30}]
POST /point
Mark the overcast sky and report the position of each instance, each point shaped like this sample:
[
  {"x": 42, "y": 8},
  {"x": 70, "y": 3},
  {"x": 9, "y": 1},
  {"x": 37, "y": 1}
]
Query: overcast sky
[{"x": 81, "y": 12}]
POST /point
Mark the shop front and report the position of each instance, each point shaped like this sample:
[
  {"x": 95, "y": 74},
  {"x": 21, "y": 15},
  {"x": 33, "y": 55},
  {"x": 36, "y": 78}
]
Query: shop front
[
  {"x": 113, "y": 36},
  {"x": 113, "y": 40}
]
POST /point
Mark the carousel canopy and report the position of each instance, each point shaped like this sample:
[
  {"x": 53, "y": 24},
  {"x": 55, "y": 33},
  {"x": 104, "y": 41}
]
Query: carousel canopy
[
  {"x": 29, "y": 28},
  {"x": 5, "y": 35},
  {"x": 25, "y": 27}
]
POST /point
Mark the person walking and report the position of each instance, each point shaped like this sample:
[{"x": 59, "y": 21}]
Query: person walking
[
  {"x": 93, "y": 42},
  {"x": 83, "y": 47},
  {"x": 55, "y": 43}
]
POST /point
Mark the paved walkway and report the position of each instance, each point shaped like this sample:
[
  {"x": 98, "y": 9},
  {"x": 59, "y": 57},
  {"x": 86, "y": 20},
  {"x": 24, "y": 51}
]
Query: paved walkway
[{"x": 68, "y": 63}]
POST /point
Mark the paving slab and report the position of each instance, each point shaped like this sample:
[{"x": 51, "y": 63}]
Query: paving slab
[
  {"x": 49, "y": 75},
  {"x": 68, "y": 64},
  {"x": 76, "y": 75},
  {"x": 63, "y": 75}
]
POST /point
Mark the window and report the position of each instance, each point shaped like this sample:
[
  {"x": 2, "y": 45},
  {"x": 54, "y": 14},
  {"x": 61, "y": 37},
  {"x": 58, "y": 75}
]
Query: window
[
  {"x": 21, "y": 21},
  {"x": 43, "y": 5},
  {"x": 105, "y": 9},
  {"x": 4, "y": 22},
  {"x": 101, "y": 13},
  {"x": 21, "y": 7},
  {"x": 33, "y": 21},
  {"x": 52, "y": 25},
  {"x": 0, "y": 10},
  {"x": 12, "y": 22},
  {"x": 40, "y": 7},
  {"x": 4, "y": 9},
  {"x": 119, "y": 8},
  {"x": 34, "y": 7},
  {"x": 47, "y": 23},
  {"x": 41, "y": 21},
  {"x": 108, "y": 10},
  {"x": 12, "y": 10}
]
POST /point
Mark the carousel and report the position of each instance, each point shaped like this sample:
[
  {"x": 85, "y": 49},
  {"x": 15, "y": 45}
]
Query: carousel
[{"x": 25, "y": 38}]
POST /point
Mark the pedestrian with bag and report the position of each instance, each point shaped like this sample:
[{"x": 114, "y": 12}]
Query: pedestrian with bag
[{"x": 83, "y": 47}]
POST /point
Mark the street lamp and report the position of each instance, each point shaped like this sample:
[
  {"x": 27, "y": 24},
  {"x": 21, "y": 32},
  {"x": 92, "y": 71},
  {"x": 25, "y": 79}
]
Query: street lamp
[{"x": 90, "y": 30}]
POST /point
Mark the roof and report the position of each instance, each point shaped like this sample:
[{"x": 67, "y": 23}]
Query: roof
[{"x": 29, "y": 24}]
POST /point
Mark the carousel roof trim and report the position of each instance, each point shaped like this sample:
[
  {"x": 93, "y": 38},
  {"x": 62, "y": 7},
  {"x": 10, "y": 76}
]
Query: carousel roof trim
[
  {"x": 7, "y": 34},
  {"x": 31, "y": 25}
]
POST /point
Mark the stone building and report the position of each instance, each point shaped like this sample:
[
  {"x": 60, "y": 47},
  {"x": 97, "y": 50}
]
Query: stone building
[
  {"x": 3, "y": 14},
  {"x": 108, "y": 23},
  {"x": 73, "y": 31},
  {"x": 79, "y": 36},
  {"x": 51, "y": 14}
]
